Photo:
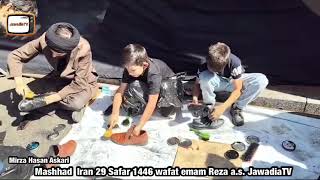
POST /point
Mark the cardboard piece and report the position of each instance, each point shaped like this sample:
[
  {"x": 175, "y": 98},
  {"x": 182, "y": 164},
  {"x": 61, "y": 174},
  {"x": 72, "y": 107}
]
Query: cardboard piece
[{"x": 204, "y": 154}]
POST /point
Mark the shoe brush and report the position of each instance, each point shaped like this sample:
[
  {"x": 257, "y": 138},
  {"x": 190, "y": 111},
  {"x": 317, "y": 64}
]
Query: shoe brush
[
  {"x": 248, "y": 155},
  {"x": 107, "y": 134},
  {"x": 29, "y": 95}
]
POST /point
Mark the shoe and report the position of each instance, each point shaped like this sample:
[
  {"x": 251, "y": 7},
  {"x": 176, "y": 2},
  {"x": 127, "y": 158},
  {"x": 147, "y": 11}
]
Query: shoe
[
  {"x": 108, "y": 111},
  {"x": 78, "y": 115},
  {"x": 199, "y": 110},
  {"x": 28, "y": 105},
  {"x": 127, "y": 138},
  {"x": 236, "y": 116},
  {"x": 63, "y": 150},
  {"x": 206, "y": 123}
]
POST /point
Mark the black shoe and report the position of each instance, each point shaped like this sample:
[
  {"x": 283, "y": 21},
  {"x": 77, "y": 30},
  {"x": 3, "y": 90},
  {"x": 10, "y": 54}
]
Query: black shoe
[
  {"x": 236, "y": 116},
  {"x": 206, "y": 123},
  {"x": 108, "y": 111},
  {"x": 199, "y": 110},
  {"x": 29, "y": 105}
]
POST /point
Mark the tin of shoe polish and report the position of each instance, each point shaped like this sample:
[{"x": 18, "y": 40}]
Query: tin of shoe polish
[
  {"x": 173, "y": 141},
  {"x": 186, "y": 143},
  {"x": 231, "y": 154},
  {"x": 252, "y": 139},
  {"x": 238, "y": 146},
  {"x": 288, "y": 145}
]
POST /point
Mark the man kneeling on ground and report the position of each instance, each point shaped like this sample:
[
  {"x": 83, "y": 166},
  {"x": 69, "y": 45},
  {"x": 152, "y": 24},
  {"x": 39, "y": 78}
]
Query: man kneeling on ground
[{"x": 70, "y": 56}]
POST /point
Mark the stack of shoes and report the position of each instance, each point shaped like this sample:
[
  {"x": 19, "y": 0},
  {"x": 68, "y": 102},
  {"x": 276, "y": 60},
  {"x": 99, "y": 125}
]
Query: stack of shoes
[
  {"x": 127, "y": 138},
  {"x": 63, "y": 150}
]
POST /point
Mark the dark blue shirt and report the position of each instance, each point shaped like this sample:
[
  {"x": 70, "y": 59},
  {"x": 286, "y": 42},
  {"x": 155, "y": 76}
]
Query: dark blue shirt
[{"x": 233, "y": 69}]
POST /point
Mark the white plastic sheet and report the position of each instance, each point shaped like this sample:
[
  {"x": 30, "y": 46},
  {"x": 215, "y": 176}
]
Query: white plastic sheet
[{"x": 272, "y": 127}]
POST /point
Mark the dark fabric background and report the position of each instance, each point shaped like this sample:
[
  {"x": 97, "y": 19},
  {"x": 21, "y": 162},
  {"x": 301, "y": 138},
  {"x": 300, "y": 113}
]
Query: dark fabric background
[{"x": 277, "y": 38}]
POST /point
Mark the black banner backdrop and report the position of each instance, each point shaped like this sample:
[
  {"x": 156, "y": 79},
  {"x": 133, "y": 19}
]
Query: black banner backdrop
[{"x": 277, "y": 38}]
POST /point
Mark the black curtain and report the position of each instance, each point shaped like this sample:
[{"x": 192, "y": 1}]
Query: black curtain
[{"x": 277, "y": 38}]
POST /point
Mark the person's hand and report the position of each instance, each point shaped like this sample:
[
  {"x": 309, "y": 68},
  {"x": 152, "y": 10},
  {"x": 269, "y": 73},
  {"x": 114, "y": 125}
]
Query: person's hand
[
  {"x": 114, "y": 118},
  {"x": 21, "y": 88},
  {"x": 195, "y": 100},
  {"x": 218, "y": 111},
  {"x": 24, "y": 91},
  {"x": 136, "y": 131}
]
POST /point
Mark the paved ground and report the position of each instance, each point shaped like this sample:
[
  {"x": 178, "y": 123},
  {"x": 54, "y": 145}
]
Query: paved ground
[
  {"x": 40, "y": 126},
  {"x": 304, "y": 100}
]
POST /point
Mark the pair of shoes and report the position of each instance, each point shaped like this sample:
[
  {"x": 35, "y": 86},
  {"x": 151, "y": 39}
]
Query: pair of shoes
[
  {"x": 77, "y": 115},
  {"x": 236, "y": 116},
  {"x": 127, "y": 138},
  {"x": 206, "y": 123},
  {"x": 63, "y": 150}
]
